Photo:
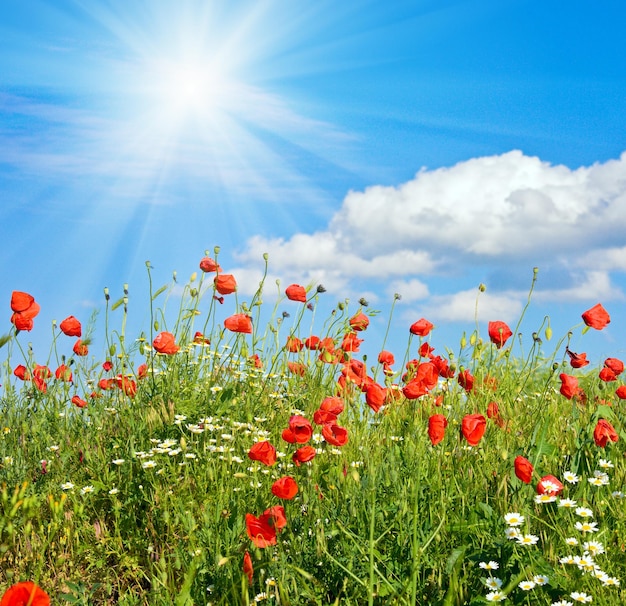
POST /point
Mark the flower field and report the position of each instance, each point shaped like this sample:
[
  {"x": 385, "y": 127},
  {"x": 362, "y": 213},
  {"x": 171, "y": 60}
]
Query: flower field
[{"x": 218, "y": 458}]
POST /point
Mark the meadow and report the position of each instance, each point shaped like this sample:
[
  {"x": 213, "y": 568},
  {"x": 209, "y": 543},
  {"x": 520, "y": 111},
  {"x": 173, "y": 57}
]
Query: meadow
[{"x": 253, "y": 461}]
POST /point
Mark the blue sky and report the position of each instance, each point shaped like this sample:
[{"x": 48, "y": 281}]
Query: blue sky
[{"x": 418, "y": 147}]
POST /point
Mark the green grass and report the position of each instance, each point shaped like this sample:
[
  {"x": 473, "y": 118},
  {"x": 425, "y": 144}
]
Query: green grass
[{"x": 141, "y": 498}]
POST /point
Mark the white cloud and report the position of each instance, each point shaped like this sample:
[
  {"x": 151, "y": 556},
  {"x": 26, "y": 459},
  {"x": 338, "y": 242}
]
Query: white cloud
[{"x": 496, "y": 213}]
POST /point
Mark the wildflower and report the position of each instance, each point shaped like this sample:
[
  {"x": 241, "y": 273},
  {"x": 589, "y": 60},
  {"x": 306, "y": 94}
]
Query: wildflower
[
  {"x": 264, "y": 452},
  {"x": 71, "y": 327},
  {"x": 239, "y": 323},
  {"x": 493, "y": 582},
  {"x": 568, "y": 559},
  {"x": 527, "y": 585},
  {"x": 208, "y": 265},
  {"x": 528, "y": 539},
  {"x": 25, "y": 309},
  {"x": 512, "y": 533},
  {"x": 569, "y": 386},
  {"x": 297, "y": 293},
  {"x": 603, "y": 433},
  {"x": 375, "y": 396},
  {"x": 248, "y": 569},
  {"x": 285, "y": 488},
  {"x": 304, "y": 454},
  {"x": 225, "y": 284},
  {"x": 260, "y": 531},
  {"x": 604, "y": 464},
  {"x": 466, "y": 380},
  {"x": 514, "y": 519},
  {"x": 620, "y": 392},
  {"x": 596, "y": 317},
  {"x": 24, "y": 593},
  {"x": 165, "y": 343},
  {"x": 67, "y": 486},
  {"x": 421, "y": 328},
  {"x": 499, "y": 333},
  {"x": 584, "y": 562},
  {"x": 436, "y": 430},
  {"x": 562, "y": 603},
  {"x": 608, "y": 581},
  {"x": 359, "y": 322},
  {"x": 567, "y": 503},
  {"x": 541, "y": 579},
  {"x": 570, "y": 477},
  {"x": 114, "y": 491},
  {"x": 86, "y": 489},
  {"x": 577, "y": 360},
  {"x": 299, "y": 431},
  {"x": 495, "y": 596},
  {"x": 473, "y": 428},
  {"x": 593, "y": 547},
  {"x": 571, "y": 541},
  {"x": 79, "y": 402},
  {"x": 150, "y": 464},
  {"x": 545, "y": 498},
  {"x": 618, "y": 494},
  {"x": 491, "y": 565},
  {"x": 523, "y": 469},
  {"x": 549, "y": 485},
  {"x": 599, "y": 479},
  {"x": 584, "y": 512},
  {"x": 335, "y": 434},
  {"x": 586, "y": 526},
  {"x": 580, "y": 597}
]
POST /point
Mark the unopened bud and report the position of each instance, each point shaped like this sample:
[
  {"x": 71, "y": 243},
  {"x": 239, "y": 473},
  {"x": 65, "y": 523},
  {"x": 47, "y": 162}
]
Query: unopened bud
[
  {"x": 216, "y": 250},
  {"x": 265, "y": 256},
  {"x": 194, "y": 275},
  {"x": 482, "y": 287},
  {"x": 320, "y": 288}
]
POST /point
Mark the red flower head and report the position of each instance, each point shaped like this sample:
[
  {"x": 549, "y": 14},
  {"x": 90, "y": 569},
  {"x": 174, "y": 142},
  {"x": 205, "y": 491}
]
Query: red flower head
[
  {"x": 437, "y": 428},
  {"x": 208, "y": 265},
  {"x": 80, "y": 348},
  {"x": 359, "y": 322},
  {"x": 312, "y": 342},
  {"x": 71, "y": 327},
  {"x": 225, "y": 284},
  {"x": 23, "y": 594},
  {"x": 21, "y": 372},
  {"x": 569, "y": 386},
  {"x": 620, "y": 392},
  {"x": 304, "y": 454},
  {"x": 63, "y": 373},
  {"x": 321, "y": 417},
  {"x": 493, "y": 410},
  {"x": 577, "y": 360},
  {"x": 260, "y": 531},
  {"x": 607, "y": 375},
  {"x": 523, "y": 469},
  {"x": 604, "y": 433},
  {"x": 77, "y": 401},
  {"x": 466, "y": 380},
  {"x": 275, "y": 516},
  {"x": 295, "y": 292},
  {"x": 107, "y": 365},
  {"x": 549, "y": 485},
  {"x": 296, "y": 368},
  {"x": 285, "y": 488},
  {"x": 25, "y": 309},
  {"x": 375, "y": 396},
  {"x": 200, "y": 339},
  {"x": 386, "y": 359},
  {"x": 596, "y": 317},
  {"x": 615, "y": 364},
  {"x": 127, "y": 385},
  {"x": 294, "y": 345},
  {"x": 239, "y": 323},
  {"x": 248, "y": 569},
  {"x": 332, "y": 404},
  {"x": 263, "y": 452},
  {"x": 499, "y": 333},
  {"x": 256, "y": 360},
  {"x": 425, "y": 350},
  {"x": 421, "y": 328},
  {"x": 334, "y": 434},
  {"x": 351, "y": 342},
  {"x": 165, "y": 343},
  {"x": 142, "y": 371},
  {"x": 300, "y": 430},
  {"x": 473, "y": 428}
]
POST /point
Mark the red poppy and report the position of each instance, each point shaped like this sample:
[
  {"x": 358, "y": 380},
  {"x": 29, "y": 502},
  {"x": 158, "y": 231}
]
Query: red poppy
[
  {"x": 142, "y": 371},
  {"x": 23, "y": 594},
  {"x": 425, "y": 350},
  {"x": 200, "y": 339},
  {"x": 106, "y": 384},
  {"x": 359, "y": 322},
  {"x": 615, "y": 364},
  {"x": 387, "y": 360},
  {"x": 127, "y": 385},
  {"x": 421, "y": 328},
  {"x": 466, "y": 380},
  {"x": 620, "y": 392},
  {"x": 260, "y": 531},
  {"x": 442, "y": 366},
  {"x": 304, "y": 454},
  {"x": 375, "y": 396},
  {"x": 299, "y": 431},
  {"x": 248, "y": 569},
  {"x": 523, "y": 469},
  {"x": 321, "y": 417},
  {"x": 569, "y": 386},
  {"x": 493, "y": 410},
  {"x": 351, "y": 342},
  {"x": 335, "y": 434},
  {"x": 225, "y": 284},
  {"x": 42, "y": 372},
  {"x": 312, "y": 342},
  {"x": 25, "y": 308},
  {"x": 437, "y": 428},
  {"x": 294, "y": 345},
  {"x": 63, "y": 373},
  {"x": 71, "y": 327},
  {"x": 604, "y": 433},
  {"x": 473, "y": 428},
  {"x": 332, "y": 404},
  {"x": 285, "y": 488},
  {"x": 239, "y": 323},
  {"x": 607, "y": 375},
  {"x": 296, "y": 368},
  {"x": 208, "y": 265},
  {"x": 549, "y": 485},
  {"x": 165, "y": 343},
  {"x": 80, "y": 348},
  {"x": 499, "y": 333},
  {"x": 264, "y": 452},
  {"x": 256, "y": 360},
  {"x": 577, "y": 360},
  {"x": 275, "y": 515},
  {"x": 21, "y": 372},
  {"x": 596, "y": 317},
  {"x": 77, "y": 401},
  {"x": 295, "y": 292},
  {"x": 107, "y": 365}
]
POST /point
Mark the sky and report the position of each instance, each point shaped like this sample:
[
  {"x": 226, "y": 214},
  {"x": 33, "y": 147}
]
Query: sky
[{"x": 417, "y": 147}]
